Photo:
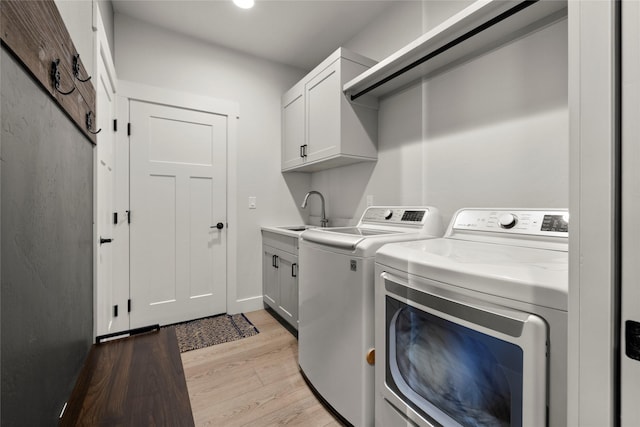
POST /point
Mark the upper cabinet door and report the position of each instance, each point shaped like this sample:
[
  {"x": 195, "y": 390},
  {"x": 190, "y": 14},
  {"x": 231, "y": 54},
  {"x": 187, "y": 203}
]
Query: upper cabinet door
[
  {"x": 323, "y": 95},
  {"x": 293, "y": 125}
]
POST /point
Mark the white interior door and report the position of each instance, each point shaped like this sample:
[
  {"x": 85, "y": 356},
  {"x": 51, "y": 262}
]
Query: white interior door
[
  {"x": 105, "y": 176},
  {"x": 177, "y": 197},
  {"x": 108, "y": 317},
  {"x": 630, "y": 293}
]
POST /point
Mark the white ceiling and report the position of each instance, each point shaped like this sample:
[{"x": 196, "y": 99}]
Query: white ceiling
[{"x": 300, "y": 33}]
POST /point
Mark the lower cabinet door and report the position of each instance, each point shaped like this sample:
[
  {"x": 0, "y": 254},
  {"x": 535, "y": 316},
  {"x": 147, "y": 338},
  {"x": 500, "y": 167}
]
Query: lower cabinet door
[
  {"x": 280, "y": 283},
  {"x": 270, "y": 285},
  {"x": 288, "y": 273}
]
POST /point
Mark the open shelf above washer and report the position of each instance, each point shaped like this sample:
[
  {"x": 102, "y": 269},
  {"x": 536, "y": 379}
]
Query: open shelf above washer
[{"x": 477, "y": 29}]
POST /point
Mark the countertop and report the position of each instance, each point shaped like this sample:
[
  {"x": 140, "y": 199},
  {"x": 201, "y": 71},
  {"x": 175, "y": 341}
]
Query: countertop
[{"x": 286, "y": 230}]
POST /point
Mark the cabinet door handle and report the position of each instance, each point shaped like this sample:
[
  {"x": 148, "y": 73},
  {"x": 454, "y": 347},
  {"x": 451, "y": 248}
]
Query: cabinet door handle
[
  {"x": 302, "y": 151},
  {"x": 275, "y": 261},
  {"x": 294, "y": 270}
]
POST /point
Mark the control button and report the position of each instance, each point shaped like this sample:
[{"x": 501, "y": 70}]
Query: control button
[
  {"x": 388, "y": 214},
  {"x": 507, "y": 220}
]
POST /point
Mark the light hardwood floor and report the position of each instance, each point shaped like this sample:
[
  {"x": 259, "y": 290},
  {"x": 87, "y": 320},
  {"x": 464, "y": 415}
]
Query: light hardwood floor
[{"x": 252, "y": 382}]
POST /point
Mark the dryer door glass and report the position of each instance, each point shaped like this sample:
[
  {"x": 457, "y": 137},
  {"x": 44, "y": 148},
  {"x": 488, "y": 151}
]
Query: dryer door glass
[
  {"x": 441, "y": 366},
  {"x": 457, "y": 363}
]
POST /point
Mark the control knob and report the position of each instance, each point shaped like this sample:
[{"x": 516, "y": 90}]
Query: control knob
[
  {"x": 388, "y": 214},
  {"x": 507, "y": 220}
]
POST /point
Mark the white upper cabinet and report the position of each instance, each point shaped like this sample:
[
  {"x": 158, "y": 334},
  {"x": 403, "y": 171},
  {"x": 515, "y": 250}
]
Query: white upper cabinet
[{"x": 321, "y": 128}]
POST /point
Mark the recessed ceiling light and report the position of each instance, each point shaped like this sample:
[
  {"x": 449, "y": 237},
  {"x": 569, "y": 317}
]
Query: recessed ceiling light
[{"x": 244, "y": 4}]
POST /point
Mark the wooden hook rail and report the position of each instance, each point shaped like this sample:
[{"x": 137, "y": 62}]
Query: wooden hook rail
[{"x": 34, "y": 32}]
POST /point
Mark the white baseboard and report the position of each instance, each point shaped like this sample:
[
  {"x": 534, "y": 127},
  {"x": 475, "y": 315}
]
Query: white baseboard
[{"x": 246, "y": 305}]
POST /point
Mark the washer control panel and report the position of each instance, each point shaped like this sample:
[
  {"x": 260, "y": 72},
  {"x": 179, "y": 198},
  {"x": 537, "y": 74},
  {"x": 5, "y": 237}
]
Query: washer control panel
[
  {"x": 533, "y": 222},
  {"x": 393, "y": 215}
]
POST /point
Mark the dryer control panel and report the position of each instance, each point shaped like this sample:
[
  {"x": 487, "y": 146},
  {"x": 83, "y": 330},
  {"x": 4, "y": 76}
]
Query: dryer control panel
[
  {"x": 511, "y": 221},
  {"x": 394, "y": 215}
]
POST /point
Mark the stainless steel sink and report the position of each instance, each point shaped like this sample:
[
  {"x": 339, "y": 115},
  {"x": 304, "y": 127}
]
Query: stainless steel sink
[{"x": 296, "y": 227}]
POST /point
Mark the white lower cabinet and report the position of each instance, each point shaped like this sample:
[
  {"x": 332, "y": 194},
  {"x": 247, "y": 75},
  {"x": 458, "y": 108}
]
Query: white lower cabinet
[{"x": 280, "y": 275}]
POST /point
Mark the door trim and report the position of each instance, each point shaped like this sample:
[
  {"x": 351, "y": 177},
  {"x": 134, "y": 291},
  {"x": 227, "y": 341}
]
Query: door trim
[
  {"x": 151, "y": 94},
  {"x": 593, "y": 198},
  {"x": 629, "y": 375}
]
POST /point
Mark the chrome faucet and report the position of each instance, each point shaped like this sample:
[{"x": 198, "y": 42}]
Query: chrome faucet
[{"x": 323, "y": 219}]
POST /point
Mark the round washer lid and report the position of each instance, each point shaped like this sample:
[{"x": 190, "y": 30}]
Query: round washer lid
[{"x": 531, "y": 275}]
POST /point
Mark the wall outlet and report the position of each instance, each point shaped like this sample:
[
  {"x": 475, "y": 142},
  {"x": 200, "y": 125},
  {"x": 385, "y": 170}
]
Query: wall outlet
[
  {"x": 252, "y": 202},
  {"x": 369, "y": 200}
]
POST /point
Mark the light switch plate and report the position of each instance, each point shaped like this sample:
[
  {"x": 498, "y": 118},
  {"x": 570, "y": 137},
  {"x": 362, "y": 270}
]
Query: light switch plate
[{"x": 252, "y": 202}]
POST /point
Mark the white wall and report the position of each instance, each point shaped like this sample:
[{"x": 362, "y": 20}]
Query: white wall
[
  {"x": 156, "y": 57},
  {"x": 491, "y": 132},
  {"x": 78, "y": 18},
  {"x": 106, "y": 11},
  {"x": 398, "y": 25},
  {"x": 496, "y": 131}
]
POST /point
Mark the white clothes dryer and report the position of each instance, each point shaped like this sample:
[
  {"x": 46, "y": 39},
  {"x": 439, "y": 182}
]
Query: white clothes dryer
[
  {"x": 336, "y": 289},
  {"x": 471, "y": 328}
]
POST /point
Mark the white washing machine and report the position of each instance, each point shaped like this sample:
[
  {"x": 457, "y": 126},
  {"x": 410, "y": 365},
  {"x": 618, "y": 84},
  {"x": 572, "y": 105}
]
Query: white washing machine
[
  {"x": 336, "y": 289},
  {"x": 471, "y": 328}
]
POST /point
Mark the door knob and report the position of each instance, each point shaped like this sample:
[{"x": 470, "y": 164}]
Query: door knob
[{"x": 219, "y": 226}]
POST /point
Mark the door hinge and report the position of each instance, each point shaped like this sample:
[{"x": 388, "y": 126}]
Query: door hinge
[
  {"x": 128, "y": 129},
  {"x": 128, "y": 306},
  {"x": 115, "y": 218},
  {"x": 115, "y": 310},
  {"x": 115, "y": 125},
  {"x": 632, "y": 339}
]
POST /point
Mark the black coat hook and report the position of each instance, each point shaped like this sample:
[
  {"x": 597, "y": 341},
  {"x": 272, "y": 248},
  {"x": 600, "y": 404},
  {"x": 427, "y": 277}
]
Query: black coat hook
[
  {"x": 90, "y": 123},
  {"x": 55, "y": 77},
  {"x": 76, "y": 69}
]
